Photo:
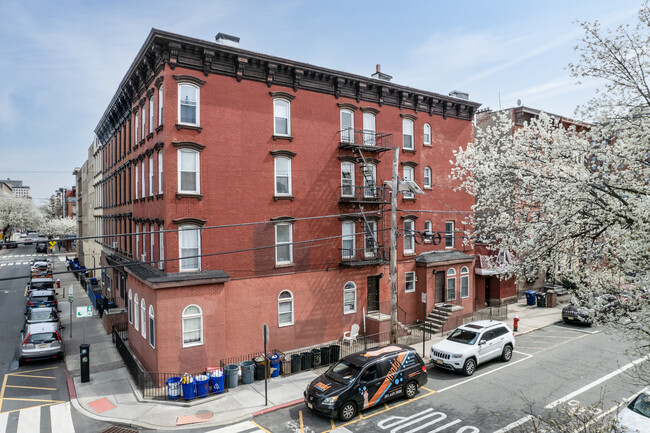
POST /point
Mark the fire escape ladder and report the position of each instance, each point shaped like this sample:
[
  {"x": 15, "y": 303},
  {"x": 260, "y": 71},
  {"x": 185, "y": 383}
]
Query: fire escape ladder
[
  {"x": 368, "y": 230},
  {"x": 369, "y": 181}
]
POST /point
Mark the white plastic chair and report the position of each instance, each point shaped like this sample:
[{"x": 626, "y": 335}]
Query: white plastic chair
[{"x": 352, "y": 334}]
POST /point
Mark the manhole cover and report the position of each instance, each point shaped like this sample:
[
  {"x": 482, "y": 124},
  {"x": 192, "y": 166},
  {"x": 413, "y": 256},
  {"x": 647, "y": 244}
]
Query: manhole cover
[{"x": 116, "y": 429}]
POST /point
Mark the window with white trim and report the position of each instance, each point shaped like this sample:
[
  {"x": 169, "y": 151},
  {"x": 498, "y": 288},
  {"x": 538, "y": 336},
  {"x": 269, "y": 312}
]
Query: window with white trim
[
  {"x": 370, "y": 181},
  {"x": 283, "y": 243},
  {"x": 464, "y": 282},
  {"x": 130, "y": 306},
  {"x": 189, "y": 245},
  {"x": 152, "y": 328},
  {"x": 161, "y": 247},
  {"x": 449, "y": 234},
  {"x": 160, "y": 106},
  {"x": 428, "y": 229},
  {"x": 427, "y": 177},
  {"x": 369, "y": 132},
  {"x": 347, "y": 179},
  {"x": 407, "y": 175},
  {"x": 137, "y": 180},
  {"x": 282, "y": 176},
  {"x": 347, "y": 239},
  {"x": 136, "y": 316},
  {"x": 152, "y": 243},
  {"x": 427, "y": 134},
  {"x": 144, "y": 122},
  {"x": 281, "y": 117},
  {"x": 150, "y": 175},
  {"x": 451, "y": 284},
  {"x": 370, "y": 230},
  {"x": 142, "y": 177},
  {"x": 137, "y": 241},
  {"x": 407, "y": 134},
  {"x": 349, "y": 298},
  {"x": 409, "y": 237},
  {"x": 285, "y": 308},
  {"x": 192, "y": 326},
  {"x": 347, "y": 126},
  {"x": 188, "y": 104},
  {"x": 160, "y": 172},
  {"x": 143, "y": 318},
  {"x": 409, "y": 282},
  {"x": 136, "y": 122},
  {"x": 151, "y": 115},
  {"x": 189, "y": 171}
]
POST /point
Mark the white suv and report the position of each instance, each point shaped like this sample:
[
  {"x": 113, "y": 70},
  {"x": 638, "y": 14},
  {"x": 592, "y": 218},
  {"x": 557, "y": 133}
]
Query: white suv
[{"x": 472, "y": 344}]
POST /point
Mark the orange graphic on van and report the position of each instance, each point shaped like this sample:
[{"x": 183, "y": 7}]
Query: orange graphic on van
[
  {"x": 322, "y": 386},
  {"x": 378, "y": 352}
]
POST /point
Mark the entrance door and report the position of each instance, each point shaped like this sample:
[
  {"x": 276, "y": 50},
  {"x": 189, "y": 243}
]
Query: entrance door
[
  {"x": 373, "y": 293},
  {"x": 440, "y": 287},
  {"x": 487, "y": 290}
]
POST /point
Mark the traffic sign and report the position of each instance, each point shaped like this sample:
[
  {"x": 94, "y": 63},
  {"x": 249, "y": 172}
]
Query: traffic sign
[
  {"x": 52, "y": 243},
  {"x": 85, "y": 311}
]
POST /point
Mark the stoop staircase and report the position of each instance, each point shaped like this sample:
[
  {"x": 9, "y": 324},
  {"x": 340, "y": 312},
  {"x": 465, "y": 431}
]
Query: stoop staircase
[{"x": 437, "y": 318}]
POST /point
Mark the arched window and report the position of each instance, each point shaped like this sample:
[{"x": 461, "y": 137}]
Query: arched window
[
  {"x": 427, "y": 177},
  {"x": 188, "y": 104},
  {"x": 130, "y": 306},
  {"x": 192, "y": 326},
  {"x": 143, "y": 318},
  {"x": 281, "y": 117},
  {"x": 285, "y": 308},
  {"x": 349, "y": 298},
  {"x": 427, "y": 134},
  {"x": 136, "y": 316},
  {"x": 152, "y": 328},
  {"x": 451, "y": 284},
  {"x": 464, "y": 282}
]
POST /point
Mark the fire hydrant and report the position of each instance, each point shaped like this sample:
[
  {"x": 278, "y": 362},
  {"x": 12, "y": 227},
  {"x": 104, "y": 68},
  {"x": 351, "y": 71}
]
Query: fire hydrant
[
  {"x": 515, "y": 326},
  {"x": 58, "y": 284}
]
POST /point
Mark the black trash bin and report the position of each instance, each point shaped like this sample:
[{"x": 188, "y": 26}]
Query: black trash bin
[
  {"x": 316, "y": 357},
  {"x": 295, "y": 363},
  {"x": 324, "y": 355},
  {"x": 305, "y": 360},
  {"x": 541, "y": 299},
  {"x": 335, "y": 353},
  {"x": 259, "y": 368}
]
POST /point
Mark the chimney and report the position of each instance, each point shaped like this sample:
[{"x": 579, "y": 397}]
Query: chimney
[
  {"x": 380, "y": 75},
  {"x": 228, "y": 40}
]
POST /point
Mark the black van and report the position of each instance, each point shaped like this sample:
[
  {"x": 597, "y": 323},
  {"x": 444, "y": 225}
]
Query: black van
[{"x": 366, "y": 378}]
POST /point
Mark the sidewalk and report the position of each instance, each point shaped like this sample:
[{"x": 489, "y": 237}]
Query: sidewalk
[{"x": 111, "y": 395}]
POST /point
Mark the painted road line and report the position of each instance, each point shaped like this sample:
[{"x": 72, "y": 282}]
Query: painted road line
[
  {"x": 341, "y": 430},
  {"x": 61, "y": 418},
  {"x": 4, "y": 418},
  {"x": 514, "y": 424},
  {"x": 31, "y": 387},
  {"x": 30, "y": 420},
  {"x": 246, "y": 426},
  {"x": 597, "y": 382}
]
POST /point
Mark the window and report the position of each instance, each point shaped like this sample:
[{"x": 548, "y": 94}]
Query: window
[
  {"x": 285, "y": 308},
  {"x": 135, "y": 128},
  {"x": 407, "y": 134},
  {"x": 449, "y": 234},
  {"x": 451, "y": 284},
  {"x": 143, "y": 318},
  {"x": 136, "y": 318},
  {"x": 347, "y": 126},
  {"x": 151, "y": 115},
  {"x": 409, "y": 237},
  {"x": 427, "y": 134},
  {"x": 137, "y": 179},
  {"x": 151, "y": 242},
  {"x": 150, "y": 175},
  {"x": 161, "y": 246},
  {"x": 189, "y": 173},
  {"x": 407, "y": 174},
  {"x": 464, "y": 282},
  {"x": 152, "y": 338},
  {"x": 371, "y": 240},
  {"x": 142, "y": 179},
  {"x": 369, "y": 132},
  {"x": 427, "y": 177},
  {"x": 347, "y": 230},
  {"x": 130, "y": 306},
  {"x": 409, "y": 282},
  {"x": 428, "y": 231},
  {"x": 160, "y": 173},
  {"x": 137, "y": 240},
  {"x": 370, "y": 181},
  {"x": 349, "y": 298},
  {"x": 189, "y": 244},
  {"x": 347, "y": 179},
  {"x": 282, "y": 117},
  {"x": 144, "y": 122},
  {"x": 282, "y": 176},
  {"x": 188, "y": 104},
  {"x": 160, "y": 106},
  {"x": 283, "y": 244},
  {"x": 192, "y": 326}
]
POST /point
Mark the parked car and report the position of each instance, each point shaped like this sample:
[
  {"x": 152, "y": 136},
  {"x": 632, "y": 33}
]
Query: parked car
[
  {"x": 41, "y": 298},
  {"x": 10, "y": 244},
  {"x": 473, "y": 344},
  {"x": 28, "y": 241},
  {"x": 42, "y": 314},
  {"x": 636, "y": 415},
  {"x": 40, "y": 341},
  {"x": 41, "y": 247},
  {"x": 365, "y": 379},
  {"x": 40, "y": 283},
  {"x": 583, "y": 314}
]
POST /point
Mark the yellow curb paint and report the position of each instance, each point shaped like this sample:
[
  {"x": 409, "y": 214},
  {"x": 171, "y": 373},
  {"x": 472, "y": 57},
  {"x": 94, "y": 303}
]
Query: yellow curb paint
[{"x": 302, "y": 427}]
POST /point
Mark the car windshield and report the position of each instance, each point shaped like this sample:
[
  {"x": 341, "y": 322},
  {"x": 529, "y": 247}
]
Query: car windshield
[
  {"x": 463, "y": 336},
  {"x": 42, "y": 315},
  {"x": 343, "y": 372},
  {"x": 641, "y": 405},
  {"x": 44, "y": 337}
]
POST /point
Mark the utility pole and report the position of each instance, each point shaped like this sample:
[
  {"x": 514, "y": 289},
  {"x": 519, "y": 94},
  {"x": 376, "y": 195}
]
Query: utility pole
[{"x": 393, "y": 249}]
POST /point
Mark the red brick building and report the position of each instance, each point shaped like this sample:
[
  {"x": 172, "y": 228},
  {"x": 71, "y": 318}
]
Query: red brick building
[{"x": 241, "y": 189}]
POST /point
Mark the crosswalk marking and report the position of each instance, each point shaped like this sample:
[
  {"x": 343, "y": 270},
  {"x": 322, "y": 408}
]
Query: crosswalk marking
[
  {"x": 61, "y": 418},
  {"x": 29, "y": 420},
  {"x": 246, "y": 426},
  {"x": 4, "y": 417}
]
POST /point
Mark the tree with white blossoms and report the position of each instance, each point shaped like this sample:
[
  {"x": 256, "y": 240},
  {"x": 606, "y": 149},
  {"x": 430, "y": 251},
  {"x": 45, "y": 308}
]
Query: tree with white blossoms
[
  {"x": 557, "y": 196},
  {"x": 17, "y": 213},
  {"x": 59, "y": 227}
]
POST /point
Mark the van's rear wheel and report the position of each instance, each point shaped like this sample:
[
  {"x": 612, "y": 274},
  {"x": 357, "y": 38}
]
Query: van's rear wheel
[
  {"x": 348, "y": 411},
  {"x": 411, "y": 389}
]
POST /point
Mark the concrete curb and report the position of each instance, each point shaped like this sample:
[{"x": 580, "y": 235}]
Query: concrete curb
[{"x": 278, "y": 407}]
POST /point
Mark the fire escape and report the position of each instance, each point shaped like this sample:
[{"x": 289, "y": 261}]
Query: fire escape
[{"x": 360, "y": 152}]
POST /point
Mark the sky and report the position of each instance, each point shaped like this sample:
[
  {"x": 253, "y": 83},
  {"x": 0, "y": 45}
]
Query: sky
[{"x": 61, "y": 61}]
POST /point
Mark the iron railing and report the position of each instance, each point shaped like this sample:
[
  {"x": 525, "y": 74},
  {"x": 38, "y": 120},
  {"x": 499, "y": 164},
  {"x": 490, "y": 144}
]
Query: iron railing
[
  {"x": 364, "y": 194},
  {"x": 367, "y": 138}
]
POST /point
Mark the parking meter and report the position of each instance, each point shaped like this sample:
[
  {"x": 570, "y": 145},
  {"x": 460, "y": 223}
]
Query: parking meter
[{"x": 84, "y": 350}]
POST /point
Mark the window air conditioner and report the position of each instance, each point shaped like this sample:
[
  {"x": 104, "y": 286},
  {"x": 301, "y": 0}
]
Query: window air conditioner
[
  {"x": 114, "y": 245},
  {"x": 144, "y": 257}
]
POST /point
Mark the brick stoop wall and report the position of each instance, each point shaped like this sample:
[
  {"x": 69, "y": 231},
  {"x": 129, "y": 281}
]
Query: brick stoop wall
[{"x": 113, "y": 316}]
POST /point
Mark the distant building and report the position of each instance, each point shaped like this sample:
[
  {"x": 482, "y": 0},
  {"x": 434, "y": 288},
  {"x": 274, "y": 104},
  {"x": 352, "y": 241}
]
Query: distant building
[{"x": 17, "y": 188}]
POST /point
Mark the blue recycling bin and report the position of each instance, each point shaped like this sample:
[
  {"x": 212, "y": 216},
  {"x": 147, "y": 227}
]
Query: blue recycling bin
[
  {"x": 274, "y": 361},
  {"x": 173, "y": 388},
  {"x": 189, "y": 389},
  {"x": 530, "y": 297},
  {"x": 217, "y": 381},
  {"x": 202, "y": 385}
]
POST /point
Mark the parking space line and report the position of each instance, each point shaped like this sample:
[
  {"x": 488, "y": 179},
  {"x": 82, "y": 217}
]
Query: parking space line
[
  {"x": 31, "y": 387},
  {"x": 30, "y": 375},
  {"x": 302, "y": 426},
  {"x": 33, "y": 371},
  {"x": 260, "y": 427},
  {"x": 332, "y": 423}
]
